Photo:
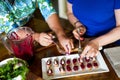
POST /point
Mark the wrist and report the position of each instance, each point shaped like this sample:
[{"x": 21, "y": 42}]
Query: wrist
[
  {"x": 100, "y": 47},
  {"x": 96, "y": 41},
  {"x": 77, "y": 24},
  {"x": 60, "y": 33},
  {"x": 36, "y": 36},
  {"x": 61, "y": 36}
]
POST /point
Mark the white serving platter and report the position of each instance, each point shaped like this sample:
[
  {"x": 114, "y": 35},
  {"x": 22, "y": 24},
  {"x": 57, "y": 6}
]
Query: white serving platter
[{"x": 56, "y": 73}]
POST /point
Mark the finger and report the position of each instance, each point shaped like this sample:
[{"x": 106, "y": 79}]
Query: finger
[
  {"x": 44, "y": 43},
  {"x": 81, "y": 38},
  {"x": 67, "y": 49},
  {"x": 47, "y": 40},
  {"x": 90, "y": 53},
  {"x": 77, "y": 37},
  {"x": 96, "y": 53},
  {"x": 48, "y": 37},
  {"x": 85, "y": 51},
  {"x": 82, "y": 29},
  {"x": 68, "y": 46},
  {"x": 71, "y": 43},
  {"x": 51, "y": 35},
  {"x": 75, "y": 34}
]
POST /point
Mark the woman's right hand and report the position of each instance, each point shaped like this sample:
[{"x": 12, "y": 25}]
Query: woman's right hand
[{"x": 82, "y": 32}]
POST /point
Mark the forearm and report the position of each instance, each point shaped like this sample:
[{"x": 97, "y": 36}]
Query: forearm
[
  {"x": 55, "y": 25},
  {"x": 73, "y": 20},
  {"x": 110, "y": 37}
]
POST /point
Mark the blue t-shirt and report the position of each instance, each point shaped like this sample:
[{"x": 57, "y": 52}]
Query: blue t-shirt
[{"x": 96, "y": 15}]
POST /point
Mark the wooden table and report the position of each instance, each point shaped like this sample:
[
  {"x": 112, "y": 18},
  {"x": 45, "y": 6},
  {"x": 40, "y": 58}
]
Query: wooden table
[
  {"x": 52, "y": 51},
  {"x": 43, "y": 52}
]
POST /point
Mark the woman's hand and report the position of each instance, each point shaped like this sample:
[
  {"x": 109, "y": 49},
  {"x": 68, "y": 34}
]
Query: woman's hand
[
  {"x": 91, "y": 49},
  {"x": 66, "y": 43},
  {"x": 82, "y": 32},
  {"x": 43, "y": 38}
]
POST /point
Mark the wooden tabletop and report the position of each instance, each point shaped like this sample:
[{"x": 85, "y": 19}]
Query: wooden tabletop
[{"x": 50, "y": 51}]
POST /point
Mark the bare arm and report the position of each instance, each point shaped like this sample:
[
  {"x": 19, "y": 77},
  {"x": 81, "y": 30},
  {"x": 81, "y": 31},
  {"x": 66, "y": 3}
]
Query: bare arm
[
  {"x": 55, "y": 25},
  {"x": 73, "y": 20},
  {"x": 92, "y": 47},
  {"x": 113, "y": 35},
  {"x": 52, "y": 19}
]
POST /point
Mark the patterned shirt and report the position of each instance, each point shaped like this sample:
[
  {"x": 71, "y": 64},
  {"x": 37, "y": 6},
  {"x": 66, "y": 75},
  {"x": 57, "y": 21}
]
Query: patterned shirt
[{"x": 14, "y": 13}]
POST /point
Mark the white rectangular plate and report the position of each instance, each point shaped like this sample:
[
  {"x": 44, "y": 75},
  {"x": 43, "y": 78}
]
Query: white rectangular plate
[{"x": 102, "y": 67}]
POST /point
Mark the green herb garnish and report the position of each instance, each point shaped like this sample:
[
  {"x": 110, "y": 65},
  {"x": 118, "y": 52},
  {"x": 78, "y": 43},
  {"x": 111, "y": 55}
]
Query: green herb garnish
[{"x": 13, "y": 69}]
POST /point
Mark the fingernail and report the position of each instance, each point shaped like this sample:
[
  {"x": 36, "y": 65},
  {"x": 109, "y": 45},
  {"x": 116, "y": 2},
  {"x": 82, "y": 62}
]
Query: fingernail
[
  {"x": 87, "y": 57},
  {"x": 67, "y": 53},
  {"x": 68, "y": 49},
  {"x": 53, "y": 37}
]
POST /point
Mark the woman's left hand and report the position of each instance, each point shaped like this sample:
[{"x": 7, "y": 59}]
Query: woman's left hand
[{"x": 91, "y": 49}]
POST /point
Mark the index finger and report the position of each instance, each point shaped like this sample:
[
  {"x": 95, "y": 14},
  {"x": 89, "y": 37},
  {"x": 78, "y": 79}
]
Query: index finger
[
  {"x": 67, "y": 49},
  {"x": 85, "y": 51}
]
